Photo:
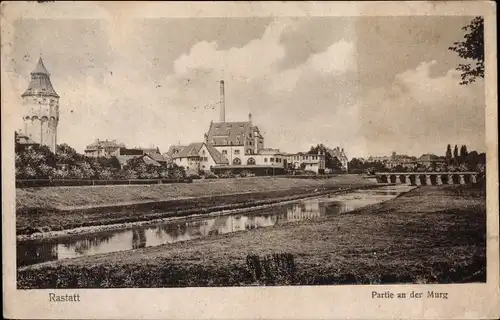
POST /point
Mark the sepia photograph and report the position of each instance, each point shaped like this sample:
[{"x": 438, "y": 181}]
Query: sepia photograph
[{"x": 248, "y": 151}]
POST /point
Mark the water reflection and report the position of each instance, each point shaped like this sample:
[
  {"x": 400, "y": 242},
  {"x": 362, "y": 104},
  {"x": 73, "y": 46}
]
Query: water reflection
[{"x": 140, "y": 237}]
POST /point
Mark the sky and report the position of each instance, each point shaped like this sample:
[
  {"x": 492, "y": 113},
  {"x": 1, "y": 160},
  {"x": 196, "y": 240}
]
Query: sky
[{"x": 370, "y": 85}]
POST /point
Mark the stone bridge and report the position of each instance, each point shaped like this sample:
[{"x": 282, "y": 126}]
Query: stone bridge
[{"x": 427, "y": 178}]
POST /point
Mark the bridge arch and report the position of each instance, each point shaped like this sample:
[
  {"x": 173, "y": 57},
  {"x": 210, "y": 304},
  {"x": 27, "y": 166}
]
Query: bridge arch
[
  {"x": 433, "y": 179},
  {"x": 421, "y": 179}
]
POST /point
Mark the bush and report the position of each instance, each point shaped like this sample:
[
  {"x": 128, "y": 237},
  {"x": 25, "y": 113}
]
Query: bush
[
  {"x": 211, "y": 175},
  {"x": 272, "y": 269}
]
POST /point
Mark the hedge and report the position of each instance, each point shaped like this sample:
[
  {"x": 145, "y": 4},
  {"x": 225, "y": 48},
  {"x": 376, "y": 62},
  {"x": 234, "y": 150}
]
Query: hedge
[{"x": 33, "y": 183}]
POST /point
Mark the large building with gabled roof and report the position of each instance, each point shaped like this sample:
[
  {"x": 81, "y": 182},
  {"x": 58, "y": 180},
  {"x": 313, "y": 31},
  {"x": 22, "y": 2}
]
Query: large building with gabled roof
[
  {"x": 242, "y": 144},
  {"x": 198, "y": 157},
  {"x": 41, "y": 108}
]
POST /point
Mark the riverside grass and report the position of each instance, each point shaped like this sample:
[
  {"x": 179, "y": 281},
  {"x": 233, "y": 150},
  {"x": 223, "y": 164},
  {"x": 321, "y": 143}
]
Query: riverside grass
[
  {"x": 66, "y": 198},
  {"x": 429, "y": 235},
  {"x": 48, "y": 209}
]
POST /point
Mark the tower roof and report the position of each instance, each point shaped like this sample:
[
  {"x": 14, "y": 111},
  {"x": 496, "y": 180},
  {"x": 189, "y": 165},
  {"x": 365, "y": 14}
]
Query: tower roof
[
  {"x": 40, "y": 68},
  {"x": 40, "y": 82}
]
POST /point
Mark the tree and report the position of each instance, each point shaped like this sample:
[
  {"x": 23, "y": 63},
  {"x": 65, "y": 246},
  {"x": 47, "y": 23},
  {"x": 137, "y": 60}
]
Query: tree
[
  {"x": 463, "y": 154},
  {"x": 472, "y": 48},
  {"x": 449, "y": 157},
  {"x": 67, "y": 155},
  {"x": 455, "y": 156},
  {"x": 331, "y": 162}
]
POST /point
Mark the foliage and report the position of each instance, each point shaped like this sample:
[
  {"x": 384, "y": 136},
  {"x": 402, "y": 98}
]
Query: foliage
[
  {"x": 331, "y": 162},
  {"x": 471, "y": 48},
  {"x": 448, "y": 156},
  {"x": 371, "y": 166},
  {"x": 38, "y": 162}
]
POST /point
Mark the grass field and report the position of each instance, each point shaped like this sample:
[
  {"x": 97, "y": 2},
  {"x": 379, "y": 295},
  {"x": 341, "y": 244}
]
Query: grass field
[
  {"x": 61, "y": 208},
  {"x": 429, "y": 235}
]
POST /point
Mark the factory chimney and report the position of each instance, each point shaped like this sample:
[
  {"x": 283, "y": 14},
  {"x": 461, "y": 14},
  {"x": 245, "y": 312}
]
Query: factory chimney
[{"x": 222, "y": 102}]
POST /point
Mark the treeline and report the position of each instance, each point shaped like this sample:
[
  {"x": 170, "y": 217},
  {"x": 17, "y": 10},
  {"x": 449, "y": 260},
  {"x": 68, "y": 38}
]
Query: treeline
[
  {"x": 458, "y": 159},
  {"x": 38, "y": 162}
]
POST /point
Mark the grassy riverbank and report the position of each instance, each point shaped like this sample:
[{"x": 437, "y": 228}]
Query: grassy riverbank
[
  {"x": 433, "y": 234},
  {"x": 61, "y": 208}
]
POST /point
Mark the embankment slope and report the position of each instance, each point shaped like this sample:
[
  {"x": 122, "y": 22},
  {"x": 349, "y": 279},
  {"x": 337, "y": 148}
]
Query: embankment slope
[
  {"x": 429, "y": 235},
  {"x": 61, "y": 208}
]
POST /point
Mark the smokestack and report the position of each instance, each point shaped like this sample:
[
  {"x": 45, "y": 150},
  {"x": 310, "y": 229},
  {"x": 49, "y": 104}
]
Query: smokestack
[
  {"x": 250, "y": 117},
  {"x": 222, "y": 102}
]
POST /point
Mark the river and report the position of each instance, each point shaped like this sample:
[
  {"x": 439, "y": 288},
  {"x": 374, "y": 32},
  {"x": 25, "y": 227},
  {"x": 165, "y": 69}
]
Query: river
[{"x": 33, "y": 252}]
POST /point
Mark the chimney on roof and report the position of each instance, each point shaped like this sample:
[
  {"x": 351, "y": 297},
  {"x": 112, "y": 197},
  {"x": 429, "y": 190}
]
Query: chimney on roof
[
  {"x": 250, "y": 117},
  {"x": 222, "y": 102}
]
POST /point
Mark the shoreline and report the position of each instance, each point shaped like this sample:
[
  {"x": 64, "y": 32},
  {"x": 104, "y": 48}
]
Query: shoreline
[
  {"x": 213, "y": 212},
  {"x": 385, "y": 243},
  {"x": 119, "y": 205}
]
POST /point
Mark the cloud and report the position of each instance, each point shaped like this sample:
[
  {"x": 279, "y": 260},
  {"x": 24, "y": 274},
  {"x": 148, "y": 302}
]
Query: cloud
[
  {"x": 420, "y": 113},
  {"x": 258, "y": 60},
  {"x": 252, "y": 61},
  {"x": 143, "y": 86},
  {"x": 338, "y": 59}
]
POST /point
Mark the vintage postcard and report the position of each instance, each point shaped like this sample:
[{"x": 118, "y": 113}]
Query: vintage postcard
[{"x": 241, "y": 160}]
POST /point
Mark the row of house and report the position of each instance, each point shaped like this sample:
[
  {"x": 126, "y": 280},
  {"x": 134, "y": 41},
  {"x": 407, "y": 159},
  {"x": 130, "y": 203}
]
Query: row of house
[
  {"x": 226, "y": 146},
  {"x": 407, "y": 162},
  {"x": 111, "y": 148}
]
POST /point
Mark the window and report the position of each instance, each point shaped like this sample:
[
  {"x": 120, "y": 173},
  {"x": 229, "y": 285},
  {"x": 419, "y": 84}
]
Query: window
[
  {"x": 236, "y": 161},
  {"x": 224, "y": 152},
  {"x": 271, "y": 159},
  {"x": 236, "y": 151},
  {"x": 265, "y": 159},
  {"x": 251, "y": 161},
  {"x": 203, "y": 152}
]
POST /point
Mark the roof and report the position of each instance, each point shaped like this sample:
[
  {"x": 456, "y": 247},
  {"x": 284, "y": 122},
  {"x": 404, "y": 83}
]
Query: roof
[
  {"x": 151, "y": 150},
  {"x": 174, "y": 150},
  {"x": 428, "y": 157},
  {"x": 150, "y": 161},
  {"x": 123, "y": 159},
  {"x": 131, "y": 152},
  {"x": 192, "y": 150},
  {"x": 229, "y": 133},
  {"x": 100, "y": 144},
  {"x": 23, "y": 139},
  {"x": 217, "y": 156},
  {"x": 40, "y": 68},
  {"x": 40, "y": 82},
  {"x": 157, "y": 157},
  {"x": 337, "y": 152}
]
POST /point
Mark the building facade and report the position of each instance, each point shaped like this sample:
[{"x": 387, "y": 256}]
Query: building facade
[
  {"x": 401, "y": 160},
  {"x": 305, "y": 161},
  {"x": 199, "y": 158},
  {"x": 103, "y": 148},
  {"x": 41, "y": 109},
  {"x": 430, "y": 160},
  {"x": 341, "y": 156}
]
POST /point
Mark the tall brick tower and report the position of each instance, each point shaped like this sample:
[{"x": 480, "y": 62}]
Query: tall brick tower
[{"x": 41, "y": 108}]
